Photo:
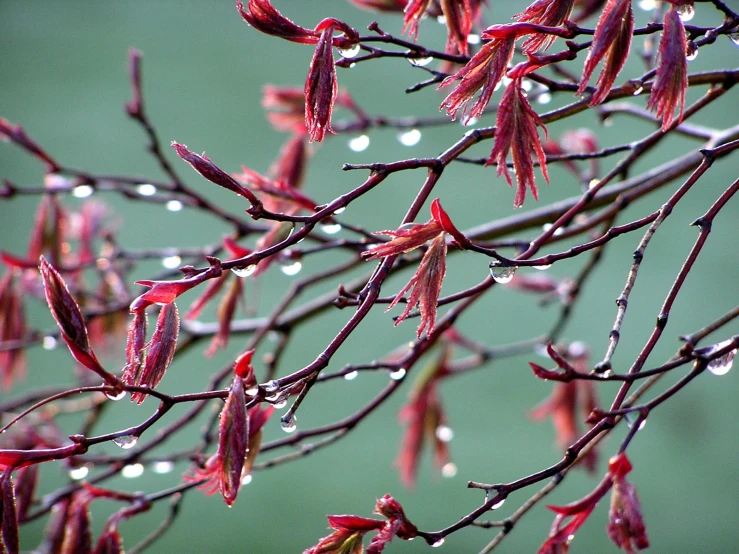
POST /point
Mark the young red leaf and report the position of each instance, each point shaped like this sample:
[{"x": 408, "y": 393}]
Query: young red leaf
[
  {"x": 16, "y": 134},
  {"x": 321, "y": 88},
  {"x": 8, "y": 516},
  {"x": 625, "y": 520},
  {"x": 226, "y": 311},
  {"x": 612, "y": 41},
  {"x": 671, "y": 82},
  {"x": 515, "y": 132},
  {"x": 458, "y": 16},
  {"x": 264, "y": 17},
  {"x": 135, "y": 349},
  {"x": 78, "y": 534},
  {"x": 482, "y": 73},
  {"x": 69, "y": 318},
  {"x": 12, "y": 329},
  {"x": 549, "y": 13},
  {"x": 414, "y": 11},
  {"x": 161, "y": 351}
]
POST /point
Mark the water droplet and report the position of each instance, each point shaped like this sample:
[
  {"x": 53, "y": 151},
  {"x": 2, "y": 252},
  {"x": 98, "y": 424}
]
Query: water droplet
[
  {"x": 722, "y": 365},
  {"x": 331, "y": 228},
  {"x": 79, "y": 473},
  {"x": 631, "y": 418},
  {"x": 350, "y": 52},
  {"x": 409, "y": 138},
  {"x": 647, "y": 5},
  {"x": 252, "y": 391},
  {"x": 132, "y": 471},
  {"x": 686, "y": 12},
  {"x": 49, "y": 343},
  {"x": 245, "y": 271},
  {"x": 469, "y": 122},
  {"x": 526, "y": 85},
  {"x": 397, "y": 375},
  {"x": 146, "y": 189},
  {"x": 441, "y": 19},
  {"x": 115, "y": 397},
  {"x": 246, "y": 479},
  {"x": 449, "y": 470},
  {"x": 498, "y": 504},
  {"x": 351, "y": 375},
  {"x": 421, "y": 61},
  {"x": 171, "y": 262},
  {"x": 82, "y": 191},
  {"x": 174, "y": 205},
  {"x": 288, "y": 422},
  {"x": 608, "y": 122},
  {"x": 548, "y": 226},
  {"x": 734, "y": 37},
  {"x": 593, "y": 183},
  {"x": 444, "y": 433},
  {"x": 359, "y": 144},
  {"x": 472, "y": 38},
  {"x": 544, "y": 98},
  {"x": 280, "y": 402},
  {"x": 340, "y": 211},
  {"x": 163, "y": 466},
  {"x": 292, "y": 268},
  {"x": 638, "y": 91},
  {"x": 542, "y": 267},
  {"x": 126, "y": 442},
  {"x": 271, "y": 386},
  {"x": 502, "y": 273},
  {"x": 438, "y": 543},
  {"x": 692, "y": 52},
  {"x": 570, "y": 538}
]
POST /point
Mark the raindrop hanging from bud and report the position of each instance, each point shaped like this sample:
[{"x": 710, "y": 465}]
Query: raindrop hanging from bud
[
  {"x": 350, "y": 52},
  {"x": 692, "y": 52},
  {"x": 638, "y": 91},
  {"x": 351, "y": 375},
  {"x": 502, "y": 273},
  {"x": 146, "y": 189},
  {"x": 271, "y": 386},
  {"x": 244, "y": 271},
  {"x": 331, "y": 228},
  {"x": 288, "y": 422},
  {"x": 722, "y": 366},
  {"x": 686, "y": 12},
  {"x": 437, "y": 543},
  {"x": 734, "y": 37},
  {"x": 421, "y": 61},
  {"x": 116, "y": 396},
  {"x": 126, "y": 442},
  {"x": 498, "y": 504},
  {"x": 82, "y": 191}
]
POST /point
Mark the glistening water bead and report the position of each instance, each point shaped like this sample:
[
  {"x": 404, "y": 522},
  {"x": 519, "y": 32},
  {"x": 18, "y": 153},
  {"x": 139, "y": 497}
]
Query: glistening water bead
[
  {"x": 420, "y": 61},
  {"x": 115, "y": 397},
  {"x": 126, "y": 442},
  {"x": 686, "y": 12},
  {"x": 359, "y": 144},
  {"x": 244, "y": 271},
  {"x": 350, "y": 52},
  {"x": 409, "y": 138},
  {"x": 291, "y": 269},
  {"x": 132, "y": 471},
  {"x": 397, "y": 375},
  {"x": 722, "y": 365},
  {"x": 502, "y": 273},
  {"x": 289, "y": 423}
]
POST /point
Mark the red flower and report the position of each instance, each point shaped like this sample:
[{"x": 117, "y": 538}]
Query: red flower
[
  {"x": 69, "y": 318},
  {"x": 550, "y": 13},
  {"x": 12, "y": 329},
  {"x": 424, "y": 417},
  {"x": 671, "y": 82},
  {"x": 482, "y": 73},
  {"x": 625, "y": 521},
  {"x": 515, "y": 132},
  {"x": 612, "y": 41},
  {"x": 160, "y": 353},
  {"x": 426, "y": 282}
]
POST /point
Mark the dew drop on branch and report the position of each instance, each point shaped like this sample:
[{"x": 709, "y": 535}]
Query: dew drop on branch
[
  {"x": 246, "y": 479},
  {"x": 351, "y": 375},
  {"x": 116, "y": 396},
  {"x": 146, "y": 189},
  {"x": 420, "y": 61},
  {"x": 502, "y": 273},
  {"x": 498, "y": 504},
  {"x": 244, "y": 271},
  {"x": 174, "y": 205},
  {"x": 722, "y": 366},
  {"x": 82, "y": 191},
  {"x": 438, "y": 543},
  {"x": 692, "y": 52},
  {"x": 350, "y": 52},
  {"x": 397, "y": 375},
  {"x": 288, "y": 422},
  {"x": 126, "y": 442},
  {"x": 331, "y": 228},
  {"x": 734, "y": 37},
  {"x": 271, "y": 386},
  {"x": 79, "y": 473},
  {"x": 292, "y": 268}
]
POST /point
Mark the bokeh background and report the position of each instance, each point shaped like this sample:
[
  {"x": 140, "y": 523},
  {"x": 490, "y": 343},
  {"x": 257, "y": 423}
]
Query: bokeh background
[{"x": 63, "y": 76}]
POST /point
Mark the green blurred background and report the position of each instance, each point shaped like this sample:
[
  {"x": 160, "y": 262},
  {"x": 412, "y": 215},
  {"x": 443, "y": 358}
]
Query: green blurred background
[{"x": 63, "y": 76}]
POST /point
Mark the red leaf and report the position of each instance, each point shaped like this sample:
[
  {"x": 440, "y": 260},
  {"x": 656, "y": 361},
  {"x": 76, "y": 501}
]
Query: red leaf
[
  {"x": 321, "y": 88},
  {"x": 261, "y": 15}
]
